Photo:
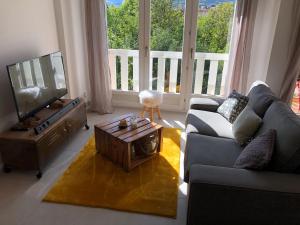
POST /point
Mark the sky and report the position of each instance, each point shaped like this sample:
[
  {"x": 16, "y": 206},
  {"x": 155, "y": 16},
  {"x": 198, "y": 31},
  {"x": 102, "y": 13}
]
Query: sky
[{"x": 114, "y": 2}]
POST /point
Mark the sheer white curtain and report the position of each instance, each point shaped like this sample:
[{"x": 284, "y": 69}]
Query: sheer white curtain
[
  {"x": 241, "y": 41},
  {"x": 97, "y": 48},
  {"x": 293, "y": 69}
]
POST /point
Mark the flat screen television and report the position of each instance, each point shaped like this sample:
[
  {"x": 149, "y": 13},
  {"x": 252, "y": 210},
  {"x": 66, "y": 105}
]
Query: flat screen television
[{"x": 36, "y": 83}]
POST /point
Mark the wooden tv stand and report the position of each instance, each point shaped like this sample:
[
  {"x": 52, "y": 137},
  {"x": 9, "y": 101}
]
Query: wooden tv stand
[{"x": 27, "y": 150}]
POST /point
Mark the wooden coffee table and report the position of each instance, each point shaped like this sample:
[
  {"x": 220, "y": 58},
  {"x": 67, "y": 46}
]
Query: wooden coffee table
[{"x": 115, "y": 143}]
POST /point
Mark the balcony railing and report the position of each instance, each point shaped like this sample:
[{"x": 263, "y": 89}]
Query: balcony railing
[{"x": 209, "y": 71}]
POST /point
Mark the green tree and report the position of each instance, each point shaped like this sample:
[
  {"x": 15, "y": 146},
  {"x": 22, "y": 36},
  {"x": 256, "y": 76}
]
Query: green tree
[
  {"x": 123, "y": 25},
  {"x": 166, "y": 26},
  {"x": 214, "y": 29}
]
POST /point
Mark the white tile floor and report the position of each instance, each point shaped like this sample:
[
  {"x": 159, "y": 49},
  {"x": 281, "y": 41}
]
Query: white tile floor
[{"x": 21, "y": 192}]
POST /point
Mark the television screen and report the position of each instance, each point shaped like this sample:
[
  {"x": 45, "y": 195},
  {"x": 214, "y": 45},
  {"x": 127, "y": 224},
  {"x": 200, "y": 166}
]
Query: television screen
[{"x": 37, "y": 83}]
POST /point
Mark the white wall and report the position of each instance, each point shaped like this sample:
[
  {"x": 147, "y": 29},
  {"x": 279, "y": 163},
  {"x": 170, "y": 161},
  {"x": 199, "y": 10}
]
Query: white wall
[{"x": 28, "y": 29}]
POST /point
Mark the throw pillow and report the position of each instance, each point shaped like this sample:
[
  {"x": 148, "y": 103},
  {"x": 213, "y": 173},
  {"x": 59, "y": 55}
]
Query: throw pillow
[
  {"x": 260, "y": 98},
  {"x": 227, "y": 107},
  {"x": 232, "y": 106},
  {"x": 235, "y": 94},
  {"x": 245, "y": 125},
  {"x": 258, "y": 153}
]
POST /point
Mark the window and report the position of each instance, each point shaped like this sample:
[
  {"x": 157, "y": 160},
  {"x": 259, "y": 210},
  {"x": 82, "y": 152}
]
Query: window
[
  {"x": 122, "y": 22},
  {"x": 166, "y": 42},
  {"x": 177, "y": 47},
  {"x": 214, "y": 24}
]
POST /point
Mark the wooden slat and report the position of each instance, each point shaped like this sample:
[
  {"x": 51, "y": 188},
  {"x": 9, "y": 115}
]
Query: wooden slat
[
  {"x": 199, "y": 76},
  {"x": 160, "y": 135},
  {"x": 124, "y": 73},
  {"x": 112, "y": 67},
  {"x": 161, "y": 75},
  {"x": 135, "y": 74},
  {"x": 108, "y": 128},
  {"x": 127, "y": 156},
  {"x": 100, "y": 145},
  {"x": 151, "y": 74},
  {"x": 117, "y": 129},
  {"x": 103, "y": 124},
  {"x": 173, "y": 75},
  {"x": 143, "y": 133},
  {"x": 123, "y": 131},
  {"x": 137, "y": 131},
  {"x": 224, "y": 77},
  {"x": 212, "y": 77}
]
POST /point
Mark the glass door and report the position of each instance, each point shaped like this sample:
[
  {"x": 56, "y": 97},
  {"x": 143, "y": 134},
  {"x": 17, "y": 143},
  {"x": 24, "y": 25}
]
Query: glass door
[
  {"x": 123, "y": 37},
  {"x": 166, "y": 42},
  {"x": 214, "y": 26},
  {"x": 177, "y": 47}
]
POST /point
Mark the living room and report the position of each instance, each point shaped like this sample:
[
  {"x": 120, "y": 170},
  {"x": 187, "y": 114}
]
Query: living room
[{"x": 160, "y": 112}]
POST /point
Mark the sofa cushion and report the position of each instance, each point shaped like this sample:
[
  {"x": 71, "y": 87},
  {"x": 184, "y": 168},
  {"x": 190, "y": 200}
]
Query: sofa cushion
[
  {"x": 258, "y": 153},
  {"x": 207, "y": 104},
  {"x": 246, "y": 125},
  {"x": 208, "y": 123},
  {"x": 260, "y": 98},
  {"x": 207, "y": 150},
  {"x": 286, "y": 156}
]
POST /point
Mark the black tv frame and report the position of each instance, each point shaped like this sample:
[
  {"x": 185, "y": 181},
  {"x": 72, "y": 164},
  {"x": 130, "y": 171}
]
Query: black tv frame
[{"x": 50, "y": 101}]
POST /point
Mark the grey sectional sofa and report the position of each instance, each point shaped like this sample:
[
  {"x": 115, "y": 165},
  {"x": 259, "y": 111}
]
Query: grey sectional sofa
[{"x": 219, "y": 194}]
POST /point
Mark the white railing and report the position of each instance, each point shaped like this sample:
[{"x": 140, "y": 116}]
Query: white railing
[
  {"x": 214, "y": 59},
  {"x": 174, "y": 58},
  {"x": 124, "y": 54}
]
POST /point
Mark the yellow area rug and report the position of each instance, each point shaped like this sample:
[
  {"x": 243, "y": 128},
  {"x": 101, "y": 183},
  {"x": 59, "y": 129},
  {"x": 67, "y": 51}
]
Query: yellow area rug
[{"x": 151, "y": 188}]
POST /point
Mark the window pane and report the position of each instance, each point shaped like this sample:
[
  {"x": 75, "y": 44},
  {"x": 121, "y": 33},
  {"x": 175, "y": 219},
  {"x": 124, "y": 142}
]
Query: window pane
[
  {"x": 214, "y": 24},
  {"x": 167, "y": 22},
  {"x": 122, "y": 21}
]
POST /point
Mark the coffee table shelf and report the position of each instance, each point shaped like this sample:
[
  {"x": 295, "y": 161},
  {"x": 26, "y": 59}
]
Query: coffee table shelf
[{"x": 116, "y": 143}]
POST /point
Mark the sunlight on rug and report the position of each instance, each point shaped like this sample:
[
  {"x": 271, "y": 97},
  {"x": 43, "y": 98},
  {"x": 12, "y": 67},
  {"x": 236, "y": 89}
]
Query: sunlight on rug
[{"x": 151, "y": 188}]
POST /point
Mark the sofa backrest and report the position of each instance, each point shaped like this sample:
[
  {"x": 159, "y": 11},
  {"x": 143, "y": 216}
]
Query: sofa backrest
[
  {"x": 260, "y": 98},
  {"x": 286, "y": 156}
]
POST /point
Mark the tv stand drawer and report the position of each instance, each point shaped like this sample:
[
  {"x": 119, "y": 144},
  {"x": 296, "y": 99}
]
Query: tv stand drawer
[
  {"x": 50, "y": 144},
  {"x": 26, "y": 150}
]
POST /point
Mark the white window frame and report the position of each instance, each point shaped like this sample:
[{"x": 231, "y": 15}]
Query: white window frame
[{"x": 171, "y": 101}]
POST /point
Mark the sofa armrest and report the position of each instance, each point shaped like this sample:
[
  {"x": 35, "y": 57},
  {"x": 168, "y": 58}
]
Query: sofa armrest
[
  {"x": 207, "y": 104},
  {"x": 219, "y": 195}
]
